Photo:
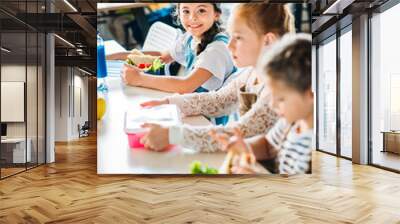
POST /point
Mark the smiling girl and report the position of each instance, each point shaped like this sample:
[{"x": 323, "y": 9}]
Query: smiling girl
[
  {"x": 252, "y": 26},
  {"x": 202, "y": 50}
]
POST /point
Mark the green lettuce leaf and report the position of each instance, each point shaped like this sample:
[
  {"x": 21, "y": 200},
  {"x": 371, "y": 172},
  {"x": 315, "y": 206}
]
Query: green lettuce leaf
[{"x": 196, "y": 167}]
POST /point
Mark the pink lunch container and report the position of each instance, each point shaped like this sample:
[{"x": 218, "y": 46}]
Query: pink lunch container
[
  {"x": 164, "y": 115},
  {"x": 134, "y": 140}
]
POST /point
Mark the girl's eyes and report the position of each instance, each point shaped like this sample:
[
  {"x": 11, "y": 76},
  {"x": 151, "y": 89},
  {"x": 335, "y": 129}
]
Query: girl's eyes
[
  {"x": 202, "y": 11},
  {"x": 199, "y": 11}
]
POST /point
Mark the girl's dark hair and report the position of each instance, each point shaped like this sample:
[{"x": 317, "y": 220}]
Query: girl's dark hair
[
  {"x": 210, "y": 34},
  {"x": 289, "y": 61}
]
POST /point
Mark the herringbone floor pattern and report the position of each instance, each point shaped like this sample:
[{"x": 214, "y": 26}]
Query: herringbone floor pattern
[{"x": 70, "y": 191}]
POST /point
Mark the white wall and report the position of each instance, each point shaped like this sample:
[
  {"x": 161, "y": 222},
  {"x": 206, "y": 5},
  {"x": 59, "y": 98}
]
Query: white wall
[
  {"x": 61, "y": 103},
  {"x": 13, "y": 73},
  {"x": 70, "y": 84},
  {"x": 33, "y": 126},
  {"x": 17, "y": 73}
]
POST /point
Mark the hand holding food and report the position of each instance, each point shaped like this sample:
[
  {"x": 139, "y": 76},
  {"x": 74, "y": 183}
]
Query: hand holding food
[
  {"x": 239, "y": 154},
  {"x": 131, "y": 75},
  {"x": 244, "y": 170},
  {"x": 233, "y": 142},
  {"x": 147, "y": 63}
]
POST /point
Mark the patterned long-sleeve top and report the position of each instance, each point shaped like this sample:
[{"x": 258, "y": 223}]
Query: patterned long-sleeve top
[{"x": 258, "y": 120}]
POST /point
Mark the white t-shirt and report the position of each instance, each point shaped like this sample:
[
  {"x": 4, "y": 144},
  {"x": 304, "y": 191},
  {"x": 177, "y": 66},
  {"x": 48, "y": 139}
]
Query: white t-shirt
[{"x": 215, "y": 59}]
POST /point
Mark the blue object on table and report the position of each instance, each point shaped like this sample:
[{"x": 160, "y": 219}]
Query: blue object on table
[
  {"x": 101, "y": 58},
  {"x": 101, "y": 65}
]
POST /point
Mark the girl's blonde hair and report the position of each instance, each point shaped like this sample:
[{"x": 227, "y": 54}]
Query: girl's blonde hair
[{"x": 266, "y": 17}]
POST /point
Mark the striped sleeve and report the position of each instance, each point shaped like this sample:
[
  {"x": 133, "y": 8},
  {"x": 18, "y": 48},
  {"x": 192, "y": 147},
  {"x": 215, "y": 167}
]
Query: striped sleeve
[
  {"x": 276, "y": 134},
  {"x": 295, "y": 155}
]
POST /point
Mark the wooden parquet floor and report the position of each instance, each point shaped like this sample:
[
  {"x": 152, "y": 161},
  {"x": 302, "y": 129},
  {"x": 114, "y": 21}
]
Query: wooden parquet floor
[
  {"x": 70, "y": 191},
  {"x": 10, "y": 171}
]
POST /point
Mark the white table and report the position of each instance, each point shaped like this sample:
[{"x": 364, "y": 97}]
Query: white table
[{"x": 115, "y": 157}]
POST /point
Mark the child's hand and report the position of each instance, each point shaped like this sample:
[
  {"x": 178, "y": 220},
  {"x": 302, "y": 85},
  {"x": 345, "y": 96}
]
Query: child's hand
[
  {"x": 243, "y": 170},
  {"x": 240, "y": 154},
  {"x": 157, "y": 138},
  {"x": 153, "y": 103},
  {"x": 235, "y": 143},
  {"x": 244, "y": 164},
  {"x": 131, "y": 75}
]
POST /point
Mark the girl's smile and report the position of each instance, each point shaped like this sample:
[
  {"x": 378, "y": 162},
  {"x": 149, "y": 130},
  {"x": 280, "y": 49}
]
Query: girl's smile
[
  {"x": 195, "y": 26},
  {"x": 197, "y": 18}
]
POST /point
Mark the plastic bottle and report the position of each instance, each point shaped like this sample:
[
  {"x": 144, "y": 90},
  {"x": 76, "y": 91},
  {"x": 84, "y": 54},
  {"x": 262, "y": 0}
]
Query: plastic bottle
[{"x": 101, "y": 66}]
